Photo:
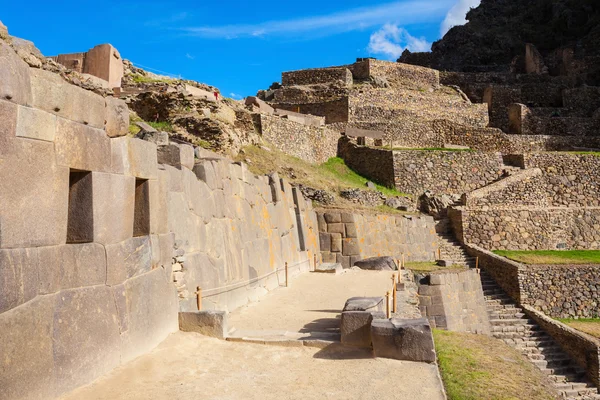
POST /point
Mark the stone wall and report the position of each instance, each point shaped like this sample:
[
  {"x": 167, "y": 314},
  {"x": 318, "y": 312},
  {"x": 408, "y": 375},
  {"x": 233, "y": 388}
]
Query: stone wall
[
  {"x": 333, "y": 110},
  {"x": 406, "y": 75},
  {"x": 98, "y": 240},
  {"x": 551, "y": 205},
  {"x": 316, "y": 76},
  {"x": 309, "y": 143},
  {"x": 102, "y": 61},
  {"x": 349, "y": 237},
  {"x": 450, "y": 172},
  {"x": 375, "y": 164},
  {"x": 583, "y": 348},
  {"x": 455, "y": 301}
]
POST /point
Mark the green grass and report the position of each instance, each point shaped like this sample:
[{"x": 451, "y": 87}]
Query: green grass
[
  {"x": 162, "y": 126},
  {"x": 337, "y": 169},
  {"x": 475, "y": 367},
  {"x": 145, "y": 79},
  {"x": 430, "y": 266},
  {"x": 591, "y": 326},
  {"x": 432, "y": 149},
  {"x": 593, "y": 153},
  {"x": 556, "y": 257}
]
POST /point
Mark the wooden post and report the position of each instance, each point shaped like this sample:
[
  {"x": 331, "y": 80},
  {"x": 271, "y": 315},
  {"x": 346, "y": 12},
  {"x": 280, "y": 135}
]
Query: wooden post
[
  {"x": 388, "y": 312},
  {"x": 199, "y": 297},
  {"x": 399, "y": 276},
  {"x": 439, "y": 254},
  {"x": 315, "y": 263},
  {"x": 477, "y": 264},
  {"x": 403, "y": 262},
  {"x": 394, "y": 294},
  {"x": 287, "y": 282}
]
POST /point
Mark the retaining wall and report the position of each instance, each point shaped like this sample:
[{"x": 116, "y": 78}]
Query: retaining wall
[
  {"x": 309, "y": 143},
  {"x": 317, "y": 76},
  {"x": 455, "y": 301},
  {"x": 349, "y": 237},
  {"x": 91, "y": 224}
]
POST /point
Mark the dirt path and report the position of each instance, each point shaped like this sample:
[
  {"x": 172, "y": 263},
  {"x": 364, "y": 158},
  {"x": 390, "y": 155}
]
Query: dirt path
[{"x": 190, "y": 366}]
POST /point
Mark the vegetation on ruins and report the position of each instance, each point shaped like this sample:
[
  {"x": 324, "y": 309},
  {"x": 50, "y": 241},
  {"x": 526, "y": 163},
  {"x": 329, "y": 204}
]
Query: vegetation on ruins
[
  {"x": 552, "y": 256},
  {"x": 477, "y": 367}
]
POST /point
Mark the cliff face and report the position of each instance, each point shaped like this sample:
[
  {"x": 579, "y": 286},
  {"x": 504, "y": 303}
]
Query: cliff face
[{"x": 498, "y": 30}]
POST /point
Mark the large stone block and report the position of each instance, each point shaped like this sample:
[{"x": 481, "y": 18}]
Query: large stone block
[
  {"x": 113, "y": 199},
  {"x": 85, "y": 336},
  {"x": 158, "y": 204},
  {"x": 134, "y": 157},
  {"x": 208, "y": 323},
  {"x": 36, "y": 124},
  {"x": 27, "y": 367},
  {"x": 377, "y": 264},
  {"x": 370, "y": 304},
  {"x": 151, "y": 318},
  {"x": 51, "y": 93},
  {"x": 350, "y": 247},
  {"x": 127, "y": 259},
  {"x": 117, "y": 117},
  {"x": 355, "y": 327},
  {"x": 170, "y": 155},
  {"x": 82, "y": 147},
  {"x": 15, "y": 84},
  {"x": 205, "y": 171},
  {"x": 33, "y": 189},
  {"x": 187, "y": 156},
  {"x": 71, "y": 266},
  {"x": 403, "y": 339},
  {"x": 18, "y": 277}
]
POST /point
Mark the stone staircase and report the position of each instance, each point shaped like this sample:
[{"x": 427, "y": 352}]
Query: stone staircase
[
  {"x": 510, "y": 324},
  {"x": 450, "y": 248}
]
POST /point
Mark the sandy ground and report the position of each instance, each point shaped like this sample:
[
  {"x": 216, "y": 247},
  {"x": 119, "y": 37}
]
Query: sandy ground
[
  {"x": 190, "y": 366},
  {"x": 313, "y": 302}
]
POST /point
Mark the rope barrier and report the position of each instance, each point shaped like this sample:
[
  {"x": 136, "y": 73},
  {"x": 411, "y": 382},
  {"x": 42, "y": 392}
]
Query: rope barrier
[{"x": 238, "y": 285}]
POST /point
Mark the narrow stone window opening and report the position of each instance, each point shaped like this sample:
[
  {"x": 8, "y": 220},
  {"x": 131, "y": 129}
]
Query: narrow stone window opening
[
  {"x": 301, "y": 239},
  {"x": 80, "y": 222},
  {"x": 141, "y": 214}
]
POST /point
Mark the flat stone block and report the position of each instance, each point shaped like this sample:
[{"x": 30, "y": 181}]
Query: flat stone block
[
  {"x": 85, "y": 336},
  {"x": 187, "y": 156},
  {"x": 351, "y": 231},
  {"x": 36, "y": 124},
  {"x": 332, "y": 218},
  {"x": 336, "y": 228},
  {"x": 350, "y": 247},
  {"x": 403, "y": 339},
  {"x": 113, "y": 200},
  {"x": 117, "y": 117},
  {"x": 18, "y": 277},
  {"x": 355, "y": 327},
  {"x": 370, "y": 304},
  {"x": 27, "y": 370},
  {"x": 336, "y": 243},
  {"x": 328, "y": 257},
  {"x": 208, "y": 323},
  {"x": 344, "y": 260},
  {"x": 205, "y": 171},
  {"x": 329, "y": 268},
  {"x": 15, "y": 84},
  {"x": 128, "y": 259},
  {"x": 71, "y": 266},
  {"x": 82, "y": 147},
  {"x": 51, "y": 93}
]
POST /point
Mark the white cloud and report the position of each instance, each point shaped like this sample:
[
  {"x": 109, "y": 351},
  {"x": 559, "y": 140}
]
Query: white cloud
[
  {"x": 188, "y": 55},
  {"x": 235, "y": 96},
  {"x": 391, "y": 40},
  {"x": 457, "y": 14},
  {"x": 406, "y": 11}
]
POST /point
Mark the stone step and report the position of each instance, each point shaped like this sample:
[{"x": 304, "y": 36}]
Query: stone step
[
  {"x": 531, "y": 351},
  {"x": 518, "y": 335},
  {"x": 498, "y": 296},
  {"x": 574, "y": 386},
  {"x": 506, "y": 315},
  {"x": 565, "y": 371},
  {"x": 557, "y": 355},
  {"x": 509, "y": 322},
  {"x": 558, "y": 363}
]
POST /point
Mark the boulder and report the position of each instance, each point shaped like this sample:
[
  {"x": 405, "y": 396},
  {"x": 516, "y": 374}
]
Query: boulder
[
  {"x": 437, "y": 206},
  {"x": 403, "y": 339},
  {"x": 330, "y": 268},
  {"x": 208, "y": 323},
  {"x": 370, "y": 304},
  {"x": 377, "y": 264},
  {"x": 371, "y": 185}
]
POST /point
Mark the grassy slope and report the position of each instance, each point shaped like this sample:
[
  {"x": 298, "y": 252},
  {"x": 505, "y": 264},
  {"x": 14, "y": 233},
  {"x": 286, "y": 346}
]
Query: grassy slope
[
  {"x": 430, "y": 266},
  {"x": 476, "y": 367},
  {"x": 331, "y": 176},
  {"x": 552, "y": 256},
  {"x": 591, "y": 326}
]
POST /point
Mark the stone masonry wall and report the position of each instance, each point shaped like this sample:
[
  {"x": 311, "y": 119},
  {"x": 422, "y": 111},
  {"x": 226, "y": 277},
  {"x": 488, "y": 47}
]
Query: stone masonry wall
[
  {"x": 450, "y": 172},
  {"x": 98, "y": 240},
  {"x": 375, "y": 164},
  {"x": 551, "y": 205},
  {"x": 349, "y": 237},
  {"x": 316, "y": 76},
  {"x": 455, "y": 301},
  {"x": 310, "y": 143}
]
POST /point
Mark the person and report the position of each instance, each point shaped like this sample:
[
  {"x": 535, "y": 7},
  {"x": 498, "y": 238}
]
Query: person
[{"x": 216, "y": 95}]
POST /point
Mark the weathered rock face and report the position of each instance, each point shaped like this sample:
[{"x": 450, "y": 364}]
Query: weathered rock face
[
  {"x": 402, "y": 339},
  {"x": 437, "y": 206},
  {"x": 498, "y": 31}
]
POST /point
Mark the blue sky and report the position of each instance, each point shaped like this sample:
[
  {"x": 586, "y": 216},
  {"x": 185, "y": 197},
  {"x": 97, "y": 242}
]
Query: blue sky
[{"x": 238, "y": 46}]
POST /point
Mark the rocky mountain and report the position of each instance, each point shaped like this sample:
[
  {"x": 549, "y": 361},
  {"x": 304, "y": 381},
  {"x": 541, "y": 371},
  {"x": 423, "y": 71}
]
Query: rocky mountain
[{"x": 497, "y": 30}]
